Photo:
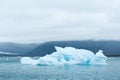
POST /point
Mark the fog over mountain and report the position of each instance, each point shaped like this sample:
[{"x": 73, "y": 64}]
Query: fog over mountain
[
  {"x": 15, "y": 48},
  {"x": 62, "y": 22},
  {"x": 110, "y": 48}
]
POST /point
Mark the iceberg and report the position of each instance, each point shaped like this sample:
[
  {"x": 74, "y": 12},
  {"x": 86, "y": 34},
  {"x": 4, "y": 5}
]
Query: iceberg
[{"x": 68, "y": 56}]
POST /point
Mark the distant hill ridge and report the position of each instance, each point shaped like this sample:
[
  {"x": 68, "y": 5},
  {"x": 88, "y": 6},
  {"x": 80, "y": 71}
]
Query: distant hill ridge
[
  {"x": 110, "y": 48},
  {"x": 16, "y": 48}
]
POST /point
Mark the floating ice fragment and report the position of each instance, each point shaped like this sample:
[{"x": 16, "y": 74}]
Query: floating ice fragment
[
  {"x": 28, "y": 60},
  {"x": 99, "y": 58}
]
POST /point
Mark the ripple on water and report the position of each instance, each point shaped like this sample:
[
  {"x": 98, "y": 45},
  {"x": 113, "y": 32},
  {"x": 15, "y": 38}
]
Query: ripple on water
[{"x": 11, "y": 69}]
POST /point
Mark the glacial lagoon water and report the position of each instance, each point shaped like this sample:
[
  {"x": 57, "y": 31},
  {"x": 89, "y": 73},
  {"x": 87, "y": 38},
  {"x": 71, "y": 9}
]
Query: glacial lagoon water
[{"x": 12, "y": 69}]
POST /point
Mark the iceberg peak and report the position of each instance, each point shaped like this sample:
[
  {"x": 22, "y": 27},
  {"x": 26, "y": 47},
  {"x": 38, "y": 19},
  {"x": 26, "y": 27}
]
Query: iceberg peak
[
  {"x": 99, "y": 58},
  {"x": 100, "y": 54}
]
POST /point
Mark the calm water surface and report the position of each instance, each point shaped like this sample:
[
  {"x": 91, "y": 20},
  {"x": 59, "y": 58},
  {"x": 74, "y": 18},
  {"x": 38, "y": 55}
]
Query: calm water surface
[{"x": 11, "y": 69}]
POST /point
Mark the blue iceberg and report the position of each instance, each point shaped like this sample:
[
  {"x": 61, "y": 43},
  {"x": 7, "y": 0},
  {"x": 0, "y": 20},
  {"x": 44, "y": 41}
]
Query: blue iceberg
[{"x": 69, "y": 56}]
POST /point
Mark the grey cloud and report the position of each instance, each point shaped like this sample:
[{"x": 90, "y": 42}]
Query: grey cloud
[{"x": 46, "y": 20}]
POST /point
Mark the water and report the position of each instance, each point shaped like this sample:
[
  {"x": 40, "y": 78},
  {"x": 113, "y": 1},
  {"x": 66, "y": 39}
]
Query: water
[{"x": 11, "y": 69}]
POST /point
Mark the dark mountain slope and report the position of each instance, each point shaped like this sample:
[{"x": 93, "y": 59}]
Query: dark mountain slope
[
  {"x": 19, "y": 49},
  {"x": 110, "y": 48}
]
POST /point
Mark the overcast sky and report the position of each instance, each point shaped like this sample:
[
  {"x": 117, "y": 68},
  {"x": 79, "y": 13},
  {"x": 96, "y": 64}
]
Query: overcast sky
[{"x": 49, "y": 20}]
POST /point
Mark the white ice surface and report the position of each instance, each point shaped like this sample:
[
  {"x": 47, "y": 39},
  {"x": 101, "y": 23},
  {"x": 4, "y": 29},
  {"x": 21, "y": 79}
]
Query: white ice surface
[{"x": 68, "y": 55}]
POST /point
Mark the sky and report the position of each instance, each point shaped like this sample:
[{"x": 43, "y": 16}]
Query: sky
[{"x": 31, "y": 21}]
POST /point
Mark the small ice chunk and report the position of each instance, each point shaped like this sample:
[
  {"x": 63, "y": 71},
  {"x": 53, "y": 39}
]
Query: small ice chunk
[
  {"x": 28, "y": 60},
  {"x": 99, "y": 58}
]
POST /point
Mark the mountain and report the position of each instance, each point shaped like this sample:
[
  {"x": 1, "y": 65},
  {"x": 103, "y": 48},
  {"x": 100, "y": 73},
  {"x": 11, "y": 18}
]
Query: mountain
[
  {"x": 15, "y": 48},
  {"x": 110, "y": 48}
]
